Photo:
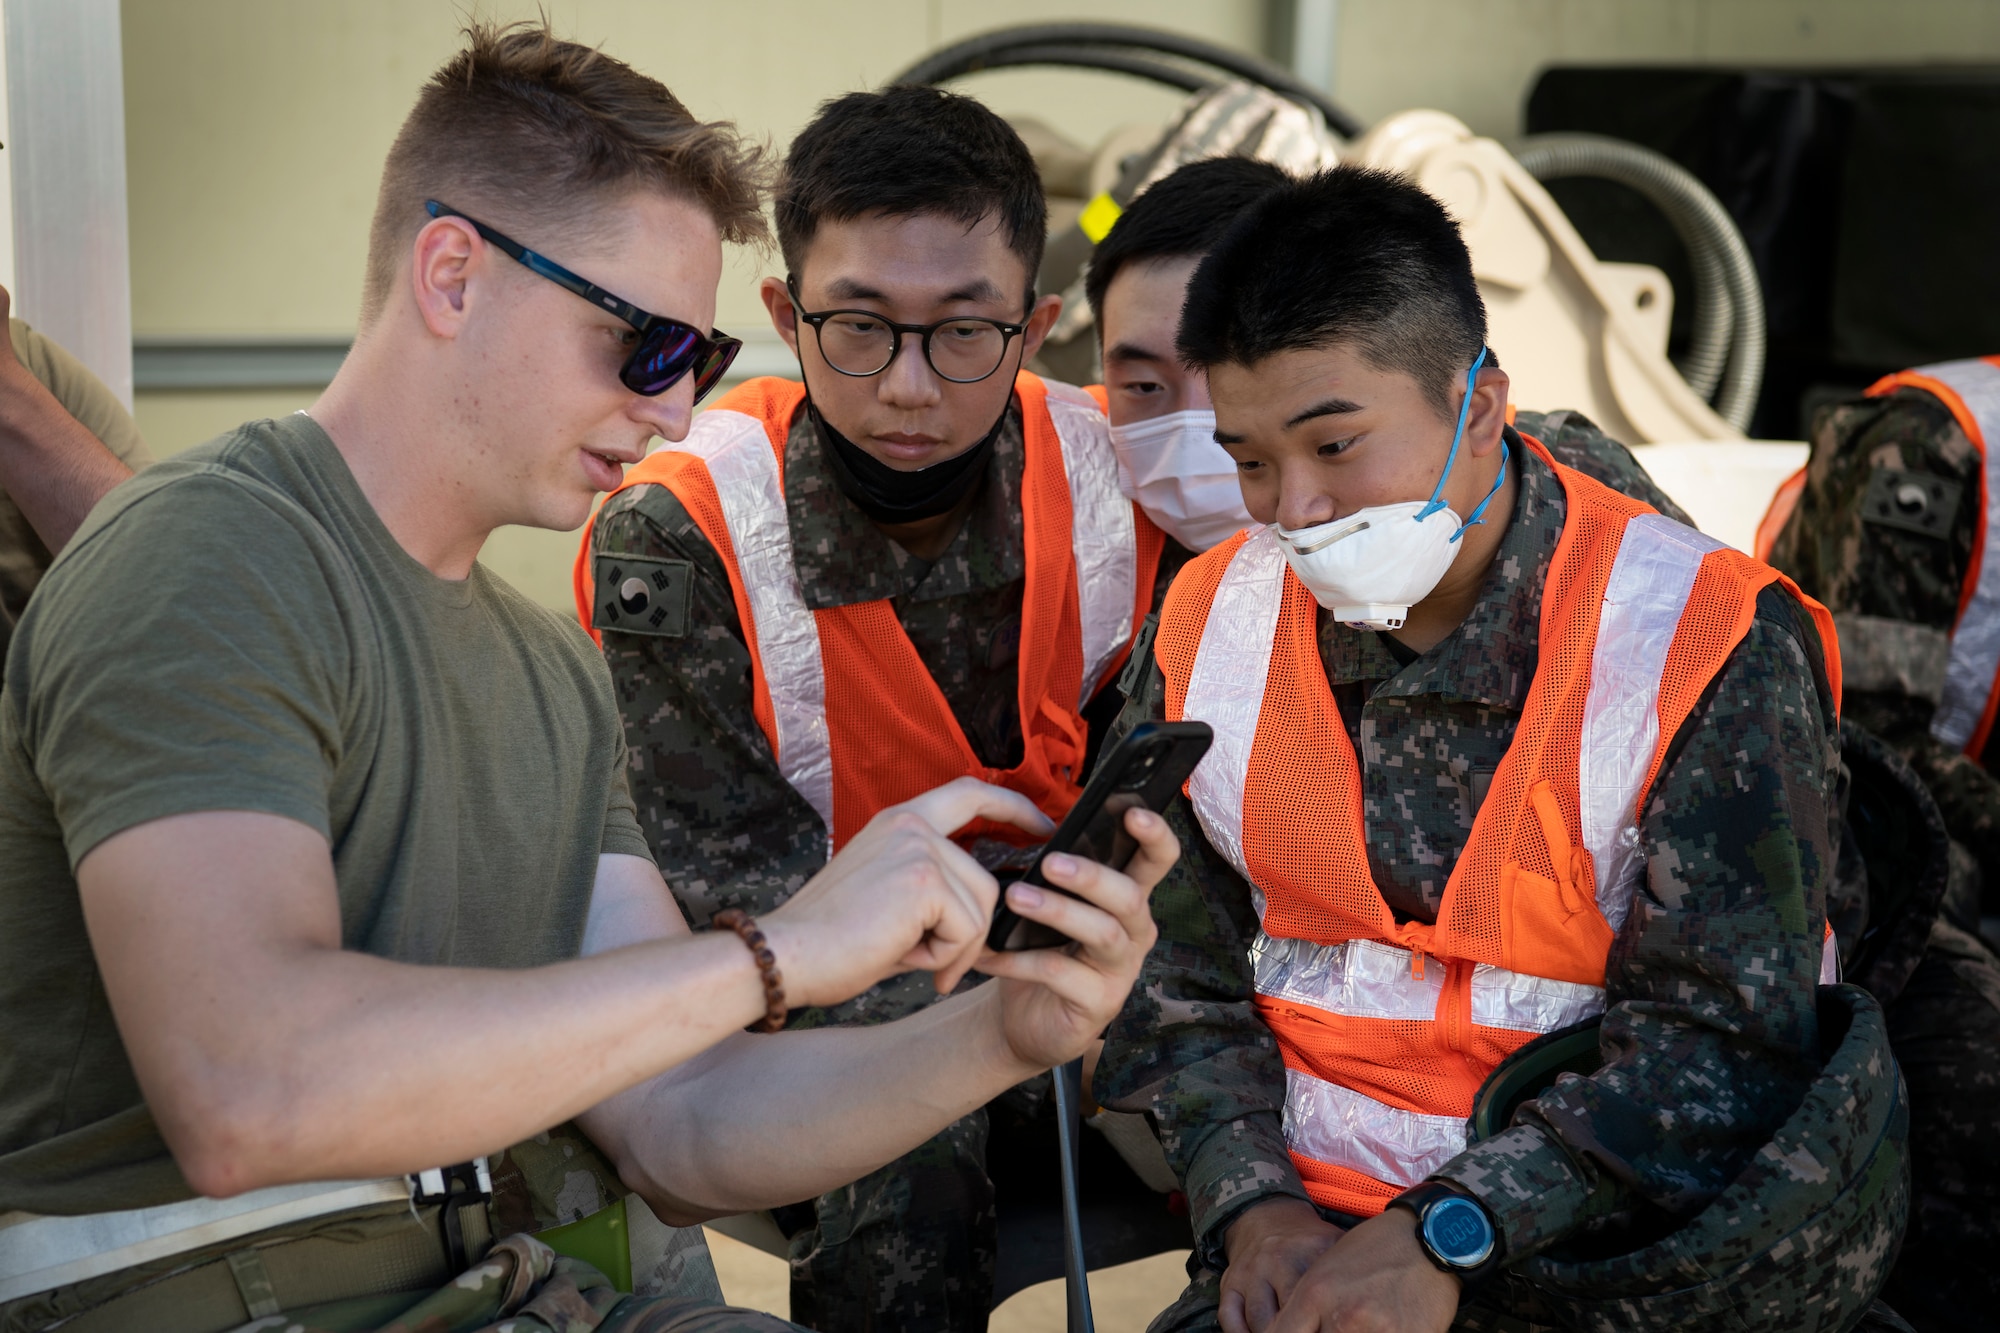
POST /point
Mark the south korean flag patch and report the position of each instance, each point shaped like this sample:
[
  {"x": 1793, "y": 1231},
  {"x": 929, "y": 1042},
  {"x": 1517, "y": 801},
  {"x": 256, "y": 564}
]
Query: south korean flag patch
[{"x": 636, "y": 594}]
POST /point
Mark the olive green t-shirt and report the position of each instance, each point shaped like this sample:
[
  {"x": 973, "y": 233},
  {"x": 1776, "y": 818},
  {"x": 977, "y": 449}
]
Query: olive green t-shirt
[
  {"x": 23, "y": 557},
  {"x": 235, "y": 629}
]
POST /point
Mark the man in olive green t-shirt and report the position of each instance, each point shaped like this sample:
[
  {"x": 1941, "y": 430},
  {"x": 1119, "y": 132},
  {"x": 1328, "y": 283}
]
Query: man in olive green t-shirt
[
  {"x": 65, "y": 440},
  {"x": 237, "y": 630},
  {"x": 316, "y": 858}
]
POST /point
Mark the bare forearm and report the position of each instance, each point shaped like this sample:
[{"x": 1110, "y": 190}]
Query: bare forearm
[
  {"x": 768, "y": 1120},
  {"x": 51, "y": 466},
  {"x": 406, "y": 1066},
  {"x": 270, "y": 1054}
]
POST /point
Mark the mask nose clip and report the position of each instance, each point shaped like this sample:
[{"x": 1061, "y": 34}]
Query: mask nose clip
[{"x": 1327, "y": 541}]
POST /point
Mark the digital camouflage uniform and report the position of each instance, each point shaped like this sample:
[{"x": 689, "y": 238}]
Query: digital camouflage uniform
[
  {"x": 1575, "y": 441},
  {"x": 1892, "y": 575},
  {"x": 913, "y": 1245},
  {"x": 1710, "y": 986}
]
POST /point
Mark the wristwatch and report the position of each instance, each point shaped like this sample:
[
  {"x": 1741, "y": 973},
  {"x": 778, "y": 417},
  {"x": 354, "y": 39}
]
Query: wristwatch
[{"x": 1454, "y": 1229}]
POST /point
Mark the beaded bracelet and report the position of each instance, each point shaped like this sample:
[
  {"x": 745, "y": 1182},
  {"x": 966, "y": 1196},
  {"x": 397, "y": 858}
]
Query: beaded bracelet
[{"x": 746, "y": 930}]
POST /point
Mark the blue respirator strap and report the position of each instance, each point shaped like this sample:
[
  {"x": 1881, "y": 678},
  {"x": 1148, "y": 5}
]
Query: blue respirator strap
[
  {"x": 1464, "y": 409},
  {"x": 1498, "y": 482}
]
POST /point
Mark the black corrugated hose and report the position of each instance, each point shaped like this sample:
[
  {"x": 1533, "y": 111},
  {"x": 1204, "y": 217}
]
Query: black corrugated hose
[
  {"x": 1110, "y": 46},
  {"x": 1729, "y": 337}
]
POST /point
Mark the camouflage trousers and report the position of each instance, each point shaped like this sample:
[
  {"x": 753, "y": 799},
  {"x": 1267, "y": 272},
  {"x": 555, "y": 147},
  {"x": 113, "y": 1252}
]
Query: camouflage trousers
[
  {"x": 522, "y": 1286},
  {"x": 911, "y": 1247},
  {"x": 1507, "y": 1306},
  {"x": 1945, "y": 1030}
]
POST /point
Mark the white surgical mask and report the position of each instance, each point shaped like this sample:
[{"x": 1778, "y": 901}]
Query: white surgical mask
[
  {"x": 1370, "y": 567},
  {"x": 1172, "y": 468}
]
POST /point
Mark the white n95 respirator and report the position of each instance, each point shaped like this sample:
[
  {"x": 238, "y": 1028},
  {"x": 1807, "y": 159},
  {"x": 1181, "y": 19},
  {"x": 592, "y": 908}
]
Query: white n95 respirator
[
  {"x": 1372, "y": 566},
  {"x": 1368, "y": 568},
  {"x": 1172, "y": 468}
]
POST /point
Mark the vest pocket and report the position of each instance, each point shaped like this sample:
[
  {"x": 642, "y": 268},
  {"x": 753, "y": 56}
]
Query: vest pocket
[{"x": 1553, "y": 929}]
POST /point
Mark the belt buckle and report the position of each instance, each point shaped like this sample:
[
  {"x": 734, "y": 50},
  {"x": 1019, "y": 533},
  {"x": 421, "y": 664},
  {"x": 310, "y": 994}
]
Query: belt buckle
[{"x": 454, "y": 1188}]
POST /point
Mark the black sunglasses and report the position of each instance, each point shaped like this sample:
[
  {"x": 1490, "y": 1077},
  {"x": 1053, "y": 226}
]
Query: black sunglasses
[{"x": 668, "y": 349}]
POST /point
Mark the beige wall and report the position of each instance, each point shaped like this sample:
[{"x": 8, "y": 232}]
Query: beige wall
[{"x": 255, "y": 128}]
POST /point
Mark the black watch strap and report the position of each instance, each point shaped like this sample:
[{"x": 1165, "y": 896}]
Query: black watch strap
[{"x": 1454, "y": 1229}]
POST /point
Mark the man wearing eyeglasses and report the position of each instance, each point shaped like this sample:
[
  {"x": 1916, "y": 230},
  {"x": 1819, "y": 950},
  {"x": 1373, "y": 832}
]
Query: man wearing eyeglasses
[{"x": 909, "y": 564}]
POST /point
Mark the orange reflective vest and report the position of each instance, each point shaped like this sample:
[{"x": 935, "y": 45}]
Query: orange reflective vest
[
  {"x": 852, "y": 715},
  {"x": 1387, "y": 1030},
  {"x": 1971, "y": 694}
]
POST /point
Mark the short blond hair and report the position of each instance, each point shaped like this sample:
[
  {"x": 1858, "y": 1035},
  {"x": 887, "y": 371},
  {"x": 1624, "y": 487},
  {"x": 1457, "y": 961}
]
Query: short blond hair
[{"x": 529, "y": 131}]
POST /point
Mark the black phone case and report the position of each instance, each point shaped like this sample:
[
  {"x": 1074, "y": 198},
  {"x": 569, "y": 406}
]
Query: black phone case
[{"x": 1146, "y": 769}]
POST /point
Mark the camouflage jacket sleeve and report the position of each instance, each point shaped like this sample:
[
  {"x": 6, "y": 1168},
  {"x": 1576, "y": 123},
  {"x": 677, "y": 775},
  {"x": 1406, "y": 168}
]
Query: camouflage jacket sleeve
[
  {"x": 1189, "y": 1049},
  {"x": 725, "y": 827},
  {"x": 1710, "y": 1033},
  {"x": 1576, "y": 442}
]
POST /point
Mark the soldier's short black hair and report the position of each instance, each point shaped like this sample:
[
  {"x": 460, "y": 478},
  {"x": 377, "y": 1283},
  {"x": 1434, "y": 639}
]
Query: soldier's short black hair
[
  {"x": 1179, "y": 216},
  {"x": 904, "y": 151},
  {"x": 1351, "y": 255}
]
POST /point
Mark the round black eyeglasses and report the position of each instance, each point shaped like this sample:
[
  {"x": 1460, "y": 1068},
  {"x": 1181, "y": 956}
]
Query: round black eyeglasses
[{"x": 964, "y": 350}]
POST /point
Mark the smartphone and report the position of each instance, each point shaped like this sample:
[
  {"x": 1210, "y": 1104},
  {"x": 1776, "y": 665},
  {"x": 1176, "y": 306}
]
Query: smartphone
[{"x": 1145, "y": 770}]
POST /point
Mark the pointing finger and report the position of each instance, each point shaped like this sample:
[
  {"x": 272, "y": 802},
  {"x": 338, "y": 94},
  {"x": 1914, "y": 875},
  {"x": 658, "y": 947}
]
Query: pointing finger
[{"x": 951, "y": 807}]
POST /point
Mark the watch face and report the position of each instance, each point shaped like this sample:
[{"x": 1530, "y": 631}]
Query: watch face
[{"x": 1458, "y": 1232}]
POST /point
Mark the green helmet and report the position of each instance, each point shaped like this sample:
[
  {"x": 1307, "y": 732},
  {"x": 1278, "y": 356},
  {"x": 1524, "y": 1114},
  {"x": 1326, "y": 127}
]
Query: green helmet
[{"x": 1800, "y": 1242}]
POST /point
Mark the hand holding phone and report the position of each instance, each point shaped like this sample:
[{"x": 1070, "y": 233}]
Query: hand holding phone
[{"x": 1143, "y": 771}]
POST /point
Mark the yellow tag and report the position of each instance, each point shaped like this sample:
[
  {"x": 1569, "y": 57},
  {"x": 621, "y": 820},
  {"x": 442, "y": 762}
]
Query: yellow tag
[{"x": 1098, "y": 216}]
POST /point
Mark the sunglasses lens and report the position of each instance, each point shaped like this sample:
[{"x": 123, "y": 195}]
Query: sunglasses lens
[
  {"x": 715, "y": 365},
  {"x": 664, "y": 354}
]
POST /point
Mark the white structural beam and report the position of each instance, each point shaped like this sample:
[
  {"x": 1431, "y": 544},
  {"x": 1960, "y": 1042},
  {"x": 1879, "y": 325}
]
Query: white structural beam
[
  {"x": 6, "y": 165},
  {"x": 65, "y": 151},
  {"x": 1314, "y": 38}
]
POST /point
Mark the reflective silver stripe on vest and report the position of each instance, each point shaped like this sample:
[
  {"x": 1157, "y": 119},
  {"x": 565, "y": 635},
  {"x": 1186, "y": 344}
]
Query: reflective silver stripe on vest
[
  {"x": 1524, "y": 1003},
  {"x": 42, "y": 1253},
  {"x": 1342, "y": 1127},
  {"x": 1357, "y": 978},
  {"x": 1974, "y": 663},
  {"x": 1643, "y": 600},
  {"x": 737, "y": 450},
  {"x": 1371, "y": 979},
  {"x": 1226, "y": 690},
  {"x": 1103, "y": 533}
]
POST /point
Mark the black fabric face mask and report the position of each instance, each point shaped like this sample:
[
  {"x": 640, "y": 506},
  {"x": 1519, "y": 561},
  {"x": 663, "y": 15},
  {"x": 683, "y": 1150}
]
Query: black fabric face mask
[{"x": 889, "y": 496}]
